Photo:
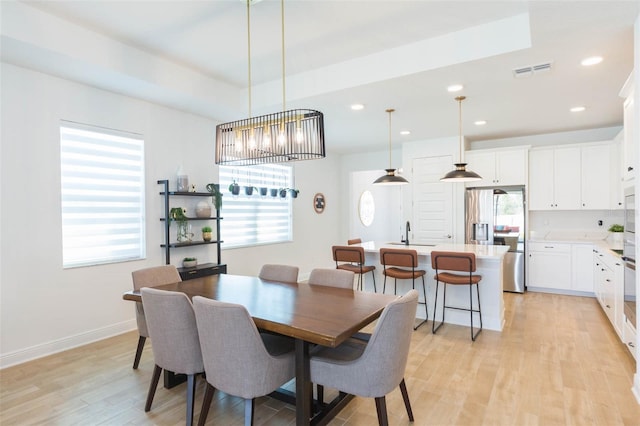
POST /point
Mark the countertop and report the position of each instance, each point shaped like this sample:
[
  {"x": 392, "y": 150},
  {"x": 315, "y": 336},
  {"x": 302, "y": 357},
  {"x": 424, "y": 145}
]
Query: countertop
[
  {"x": 596, "y": 239},
  {"x": 481, "y": 251}
]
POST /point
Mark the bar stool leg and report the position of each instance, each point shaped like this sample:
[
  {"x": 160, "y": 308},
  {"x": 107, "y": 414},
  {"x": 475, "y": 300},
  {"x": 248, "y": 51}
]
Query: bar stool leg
[
  {"x": 426, "y": 309},
  {"x": 373, "y": 276}
]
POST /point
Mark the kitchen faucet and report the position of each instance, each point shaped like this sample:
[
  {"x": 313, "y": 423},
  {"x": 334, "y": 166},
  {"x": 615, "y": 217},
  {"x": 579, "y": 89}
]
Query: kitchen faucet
[{"x": 406, "y": 233}]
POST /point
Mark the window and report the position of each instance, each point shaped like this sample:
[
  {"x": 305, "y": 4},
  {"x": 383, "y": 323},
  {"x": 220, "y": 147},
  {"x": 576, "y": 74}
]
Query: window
[
  {"x": 102, "y": 189},
  {"x": 255, "y": 219}
]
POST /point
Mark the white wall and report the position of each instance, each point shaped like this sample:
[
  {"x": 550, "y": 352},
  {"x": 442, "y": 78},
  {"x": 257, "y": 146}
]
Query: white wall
[{"x": 43, "y": 308}]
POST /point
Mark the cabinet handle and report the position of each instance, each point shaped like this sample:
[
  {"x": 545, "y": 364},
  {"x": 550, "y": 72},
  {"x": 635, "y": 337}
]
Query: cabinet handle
[
  {"x": 548, "y": 246},
  {"x": 631, "y": 344},
  {"x": 629, "y": 168},
  {"x": 608, "y": 307}
]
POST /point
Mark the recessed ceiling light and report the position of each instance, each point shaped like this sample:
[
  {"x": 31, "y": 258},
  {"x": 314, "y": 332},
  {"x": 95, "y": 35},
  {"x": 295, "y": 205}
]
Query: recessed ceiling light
[
  {"x": 357, "y": 107},
  {"x": 455, "y": 88},
  {"x": 592, "y": 60},
  {"x": 405, "y": 132},
  {"x": 480, "y": 122},
  {"x": 578, "y": 109}
]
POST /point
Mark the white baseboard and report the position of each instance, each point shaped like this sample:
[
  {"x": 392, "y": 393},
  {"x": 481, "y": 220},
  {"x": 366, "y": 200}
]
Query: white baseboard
[
  {"x": 636, "y": 386},
  {"x": 50, "y": 348}
]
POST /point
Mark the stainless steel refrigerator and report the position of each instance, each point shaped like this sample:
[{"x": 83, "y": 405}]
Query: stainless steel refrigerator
[{"x": 496, "y": 216}]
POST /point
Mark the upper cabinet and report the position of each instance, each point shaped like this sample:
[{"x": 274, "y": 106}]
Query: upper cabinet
[
  {"x": 595, "y": 189},
  {"x": 554, "y": 179},
  {"x": 576, "y": 177},
  {"x": 498, "y": 167},
  {"x": 629, "y": 147}
]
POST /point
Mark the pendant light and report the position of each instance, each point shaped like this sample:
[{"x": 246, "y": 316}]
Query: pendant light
[
  {"x": 460, "y": 174},
  {"x": 279, "y": 137},
  {"x": 390, "y": 178}
]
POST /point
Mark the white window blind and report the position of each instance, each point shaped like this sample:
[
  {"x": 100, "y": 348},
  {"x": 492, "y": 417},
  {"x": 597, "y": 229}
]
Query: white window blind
[
  {"x": 102, "y": 191},
  {"x": 255, "y": 219}
]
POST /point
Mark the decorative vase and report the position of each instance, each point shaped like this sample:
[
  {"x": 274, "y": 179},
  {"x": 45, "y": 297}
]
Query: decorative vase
[
  {"x": 184, "y": 234},
  {"x": 273, "y": 192},
  {"x": 183, "y": 183},
  {"x": 206, "y": 236},
  {"x": 263, "y": 191},
  {"x": 203, "y": 209}
]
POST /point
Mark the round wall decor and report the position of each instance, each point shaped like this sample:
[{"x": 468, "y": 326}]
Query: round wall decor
[
  {"x": 319, "y": 202},
  {"x": 366, "y": 208}
]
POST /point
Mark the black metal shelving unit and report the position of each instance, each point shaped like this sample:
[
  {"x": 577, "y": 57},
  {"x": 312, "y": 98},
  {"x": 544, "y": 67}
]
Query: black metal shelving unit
[{"x": 200, "y": 270}]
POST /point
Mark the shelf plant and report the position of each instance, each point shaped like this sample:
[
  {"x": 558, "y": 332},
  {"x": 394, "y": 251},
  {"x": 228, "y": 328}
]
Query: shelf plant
[
  {"x": 178, "y": 214},
  {"x": 216, "y": 195},
  {"x": 206, "y": 233}
]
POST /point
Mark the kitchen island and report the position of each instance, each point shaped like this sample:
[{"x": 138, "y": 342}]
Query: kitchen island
[{"x": 489, "y": 264}]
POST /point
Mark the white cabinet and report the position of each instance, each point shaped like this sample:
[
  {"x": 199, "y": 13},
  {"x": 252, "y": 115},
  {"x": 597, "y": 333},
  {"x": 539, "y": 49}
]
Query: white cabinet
[
  {"x": 629, "y": 338},
  {"x": 596, "y": 182},
  {"x": 549, "y": 265},
  {"x": 554, "y": 178},
  {"x": 608, "y": 276},
  {"x": 498, "y": 167},
  {"x": 617, "y": 180},
  {"x": 576, "y": 177},
  {"x": 629, "y": 117},
  {"x": 582, "y": 267}
]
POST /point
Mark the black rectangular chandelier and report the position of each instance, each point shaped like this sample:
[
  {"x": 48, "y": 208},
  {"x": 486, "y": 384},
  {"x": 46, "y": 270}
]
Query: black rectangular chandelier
[{"x": 292, "y": 135}]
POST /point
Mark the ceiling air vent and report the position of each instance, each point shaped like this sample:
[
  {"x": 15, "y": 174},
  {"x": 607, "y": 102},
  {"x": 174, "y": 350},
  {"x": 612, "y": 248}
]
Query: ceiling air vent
[{"x": 528, "y": 71}]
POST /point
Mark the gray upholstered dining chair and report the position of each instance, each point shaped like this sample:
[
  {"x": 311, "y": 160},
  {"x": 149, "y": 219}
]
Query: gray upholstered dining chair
[
  {"x": 372, "y": 369},
  {"x": 238, "y": 359},
  {"x": 280, "y": 273},
  {"x": 331, "y": 278},
  {"x": 176, "y": 347},
  {"x": 149, "y": 277}
]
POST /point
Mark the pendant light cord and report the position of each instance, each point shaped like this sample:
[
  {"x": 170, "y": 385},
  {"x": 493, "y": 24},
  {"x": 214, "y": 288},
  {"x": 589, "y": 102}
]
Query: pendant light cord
[
  {"x": 284, "y": 107},
  {"x": 390, "y": 110},
  {"x": 249, "y": 51},
  {"x": 460, "y": 99}
]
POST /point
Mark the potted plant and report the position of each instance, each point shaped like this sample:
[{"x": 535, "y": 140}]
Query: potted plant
[
  {"x": 294, "y": 192},
  {"x": 248, "y": 190},
  {"x": 216, "y": 195},
  {"x": 263, "y": 191},
  {"x": 283, "y": 192},
  {"x": 234, "y": 188},
  {"x": 206, "y": 233},
  {"x": 616, "y": 236},
  {"x": 273, "y": 192},
  {"x": 178, "y": 214},
  {"x": 189, "y": 262}
]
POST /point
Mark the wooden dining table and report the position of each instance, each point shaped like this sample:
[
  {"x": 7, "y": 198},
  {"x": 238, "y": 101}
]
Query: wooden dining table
[{"x": 310, "y": 314}]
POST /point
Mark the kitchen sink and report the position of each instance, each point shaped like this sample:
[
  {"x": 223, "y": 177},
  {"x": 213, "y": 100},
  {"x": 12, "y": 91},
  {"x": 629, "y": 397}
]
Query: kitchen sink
[{"x": 411, "y": 244}]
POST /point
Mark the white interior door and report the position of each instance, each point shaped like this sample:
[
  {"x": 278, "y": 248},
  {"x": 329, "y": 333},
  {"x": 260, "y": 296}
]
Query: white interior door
[{"x": 432, "y": 200}]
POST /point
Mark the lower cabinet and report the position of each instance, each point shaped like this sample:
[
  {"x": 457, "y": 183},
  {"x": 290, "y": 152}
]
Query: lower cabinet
[
  {"x": 608, "y": 276},
  {"x": 629, "y": 338},
  {"x": 549, "y": 265}
]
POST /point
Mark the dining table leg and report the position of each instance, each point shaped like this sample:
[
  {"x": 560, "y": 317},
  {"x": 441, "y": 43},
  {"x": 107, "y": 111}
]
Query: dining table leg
[{"x": 303, "y": 383}]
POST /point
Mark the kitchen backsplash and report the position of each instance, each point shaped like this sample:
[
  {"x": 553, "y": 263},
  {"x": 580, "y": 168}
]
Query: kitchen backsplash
[{"x": 543, "y": 222}]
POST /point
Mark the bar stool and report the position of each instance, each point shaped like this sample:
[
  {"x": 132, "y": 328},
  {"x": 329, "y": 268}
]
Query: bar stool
[
  {"x": 353, "y": 260},
  {"x": 405, "y": 258},
  {"x": 460, "y": 262}
]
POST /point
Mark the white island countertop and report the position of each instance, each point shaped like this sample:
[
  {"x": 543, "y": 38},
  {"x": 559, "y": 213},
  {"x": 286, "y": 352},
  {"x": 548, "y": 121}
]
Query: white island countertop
[
  {"x": 490, "y": 261},
  {"x": 485, "y": 252}
]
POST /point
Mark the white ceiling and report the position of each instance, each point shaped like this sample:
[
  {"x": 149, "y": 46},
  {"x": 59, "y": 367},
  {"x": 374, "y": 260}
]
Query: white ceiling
[{"x": 384, "y": 54}]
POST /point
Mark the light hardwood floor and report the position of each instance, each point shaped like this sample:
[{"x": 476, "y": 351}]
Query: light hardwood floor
[{"x": 558, "y": 361}]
